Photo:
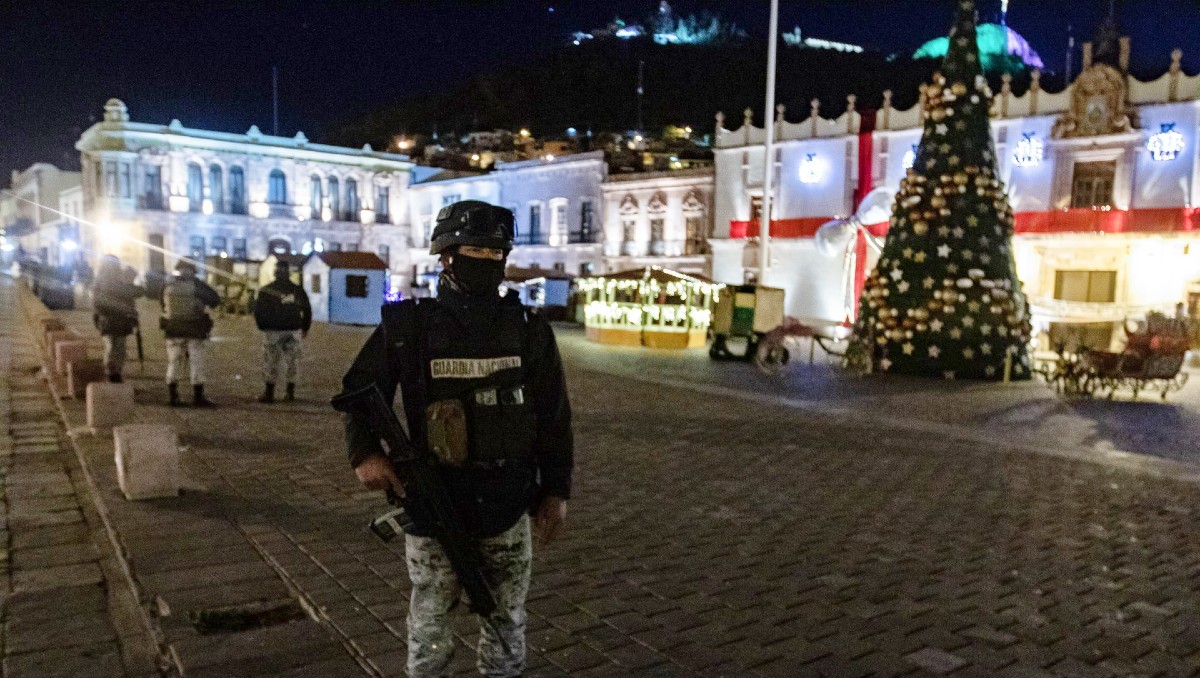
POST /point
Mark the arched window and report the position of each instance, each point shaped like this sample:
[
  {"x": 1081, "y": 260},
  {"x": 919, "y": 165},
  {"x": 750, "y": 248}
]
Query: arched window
[
  {"x": 335, "y": 199},
  {"x": 279, "y": 246},
  {"x": 216, "y": 187},
  {"x": 237, "y": 190},
  {"x": 195, "y": 186},
  {"x": 277, "y": 188},
  {"x": 351, "y": 199},
  {"x": 315, "y": 196}
]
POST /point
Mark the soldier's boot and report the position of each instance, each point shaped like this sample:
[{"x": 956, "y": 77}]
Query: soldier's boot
[
  {"x": 198, "y": 399},
  {"x": 291, "y": 393},
  {"x": 268, "y": 395},
  {"x": 173, "y": 395}
]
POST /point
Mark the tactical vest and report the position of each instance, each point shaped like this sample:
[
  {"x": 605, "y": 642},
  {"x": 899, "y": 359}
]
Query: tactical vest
[
  {"x": 180, "y": 303},
  {"x": 457, "y": 358}
]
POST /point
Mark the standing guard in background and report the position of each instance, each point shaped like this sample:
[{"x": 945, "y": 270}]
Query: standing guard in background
[
  {"x": 114, "y": 302},
  {"x": 187, "y": 325},
  {"x": 484, "y": 395},
  {"x": 283, "y": 315}
]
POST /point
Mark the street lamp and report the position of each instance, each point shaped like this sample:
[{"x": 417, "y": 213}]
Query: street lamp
[{"x": 764, "y": 219}]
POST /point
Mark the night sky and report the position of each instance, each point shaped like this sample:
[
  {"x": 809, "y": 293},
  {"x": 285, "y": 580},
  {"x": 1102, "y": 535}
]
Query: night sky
[{"x": 209, "y": 63}]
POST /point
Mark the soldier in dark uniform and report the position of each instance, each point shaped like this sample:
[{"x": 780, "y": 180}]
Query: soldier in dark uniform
[{"x": 483, "y": 389}]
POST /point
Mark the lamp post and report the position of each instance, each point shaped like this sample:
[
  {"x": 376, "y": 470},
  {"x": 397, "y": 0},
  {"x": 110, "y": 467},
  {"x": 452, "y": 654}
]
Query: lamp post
[{"x": 764, "y": 219}]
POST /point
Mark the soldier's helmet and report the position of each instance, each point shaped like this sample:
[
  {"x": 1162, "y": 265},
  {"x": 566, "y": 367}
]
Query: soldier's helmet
[{"x": 475, "y": 223}]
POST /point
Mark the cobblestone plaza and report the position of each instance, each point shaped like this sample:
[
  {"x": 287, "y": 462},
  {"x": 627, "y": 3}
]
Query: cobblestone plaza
[{"x": 723, "y": 524}]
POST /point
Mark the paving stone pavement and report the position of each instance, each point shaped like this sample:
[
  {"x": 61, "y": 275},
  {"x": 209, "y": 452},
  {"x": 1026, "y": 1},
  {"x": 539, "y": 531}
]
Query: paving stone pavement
[
  {"x": 66, "y": 609},
  {"x": 713, "y": 537}
]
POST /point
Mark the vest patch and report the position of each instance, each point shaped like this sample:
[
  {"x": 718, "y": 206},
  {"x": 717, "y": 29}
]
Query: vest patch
[{"x": 471, "y": 368}]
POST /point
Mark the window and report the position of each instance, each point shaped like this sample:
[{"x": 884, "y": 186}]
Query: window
[
  {"x": 587, "y": 215},
  {"x": 657, "y": 247},
  {"x": 315, "y": 196},
  {"x": 335, "y": 198},
  {"x": 334, "y": 247},
  {"x": 382, "y": 206},
  {"x": 755, "y": 207},
  {"x": 239, "y": 249},
  {"x": 1087, "y": 286},
  {"x": 315, "y": 283},
  {"x": 628, "y": 233},
  {"x": 352, "y": 247},
  {"x": 535, "y": 224},
  {"x": 279, "y": 246},
  {"x": 219, "y": 246},
  {"x": 356, "y": 286},
  {"x": 385, "y": 253},
  {"x": 216, "y": 187},
  {"x": 196, "y": 249},
  {"x": 195, "y": 186},
  {"x": 126, "y": 180},
  {"x": 351, "y": 199},
  {"x": 558, "y": 225},
  {"x": 110, "y": 178},
  {"x": 697, "y": 241},
  {"x": 277, "y": 188},
  {"x": 1092, "y": 185},
  {"x": 585, "y": 269},
  {"x": 237, "y": 191},
  {"x": 152, "y": 195},
  {"x": 451, "y": 198}
]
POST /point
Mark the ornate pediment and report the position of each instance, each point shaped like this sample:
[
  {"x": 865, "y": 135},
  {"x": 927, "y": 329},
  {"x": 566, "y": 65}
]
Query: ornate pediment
[
  {"x": 629, "y": 205},
  {"x": 1097, "y": 105},
  {"x": 657, "y": 204},
  {"x": 693, "y": 202}
]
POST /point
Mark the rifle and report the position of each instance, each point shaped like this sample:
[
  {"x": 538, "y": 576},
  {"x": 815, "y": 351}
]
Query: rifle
[
  {"x": 137, "y": 335},
  {"x": 424, "y": 486}
]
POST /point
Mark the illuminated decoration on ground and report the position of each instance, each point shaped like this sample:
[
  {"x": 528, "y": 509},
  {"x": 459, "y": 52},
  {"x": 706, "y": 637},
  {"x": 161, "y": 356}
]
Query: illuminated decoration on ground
[
  {"x": 810, "y": 170},
  {"x": 654, "y": 307},
  {"x": 1167, "y": 144},
  {"x": 1029, "y": 151},
  {"x": 910, "y": 157}
]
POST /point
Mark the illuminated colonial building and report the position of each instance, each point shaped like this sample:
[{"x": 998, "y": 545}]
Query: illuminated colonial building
[
  {"x": 1103, "y": 178},
  {"x": 157, "y": 192},
  {"x": 658, "y": 219}
]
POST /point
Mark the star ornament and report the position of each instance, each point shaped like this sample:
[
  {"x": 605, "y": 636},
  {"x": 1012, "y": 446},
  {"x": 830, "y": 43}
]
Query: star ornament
[
  {"x": 934, "y": 351},
  {"x": 902, "y": 286},
  {"x": 897, "y": 274},
  {"x": 908, "y": 348},
  {"x": 944, "y": 251},
  {"x": 935, "y": 325},
  {"x": 885, "y": 364}
]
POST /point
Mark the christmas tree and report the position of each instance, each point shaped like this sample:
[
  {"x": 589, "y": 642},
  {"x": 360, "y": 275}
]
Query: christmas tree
[{"x": 944, "y": 299}]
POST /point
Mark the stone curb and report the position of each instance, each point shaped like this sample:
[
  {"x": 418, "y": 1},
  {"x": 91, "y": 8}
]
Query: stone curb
[{"x": 115, "y": 555}]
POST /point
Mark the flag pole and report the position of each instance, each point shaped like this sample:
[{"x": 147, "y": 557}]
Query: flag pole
[{"x": 764, "y": 219}]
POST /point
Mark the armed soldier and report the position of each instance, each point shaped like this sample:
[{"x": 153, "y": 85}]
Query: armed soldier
[
  {"x": 283, "y": 314},
  {"x": 186, "y": 324},
  {"x": 483, "y": 390}
]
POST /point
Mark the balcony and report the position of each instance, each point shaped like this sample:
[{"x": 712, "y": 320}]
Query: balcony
[{"x": 573, "y": 238}]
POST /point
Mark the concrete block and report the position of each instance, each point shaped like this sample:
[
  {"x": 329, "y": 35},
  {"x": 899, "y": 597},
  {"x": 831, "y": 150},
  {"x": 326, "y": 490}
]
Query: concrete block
[
  {"x": 109, "y": 404},
  {"x": 54, "y": 336},
  {"x": 80, "y": 373},
  {"x": 68, "y": 351},
  {"x": 147, "y": 459}
]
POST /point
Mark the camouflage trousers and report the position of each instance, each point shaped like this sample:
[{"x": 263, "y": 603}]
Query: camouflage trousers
[
  {"x": 281, "y": 348},
  {"x": 507, "y": 563}
]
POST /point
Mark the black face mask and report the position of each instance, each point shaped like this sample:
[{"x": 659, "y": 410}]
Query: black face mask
[{"x": 477, "y": 277}]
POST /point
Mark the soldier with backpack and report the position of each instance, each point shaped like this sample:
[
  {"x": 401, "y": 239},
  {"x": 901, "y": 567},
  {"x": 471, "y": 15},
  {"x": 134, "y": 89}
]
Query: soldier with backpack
[
  {"x": 484, "y": 395},
  {"x": 283, "y": 314},
  {"x": 187, "y": 325},
  {"x": 114, "y": 301}
]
